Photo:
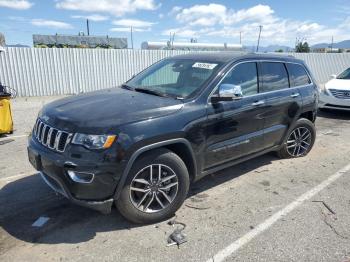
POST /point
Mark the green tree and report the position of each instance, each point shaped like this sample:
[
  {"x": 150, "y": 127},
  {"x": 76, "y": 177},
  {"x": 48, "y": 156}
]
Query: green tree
[
  {"x": 302, "y": 47},
  {"x": 279, "y": 51}
]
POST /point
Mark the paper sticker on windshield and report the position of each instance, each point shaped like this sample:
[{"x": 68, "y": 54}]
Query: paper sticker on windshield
[{"x": 204, "y": 65}]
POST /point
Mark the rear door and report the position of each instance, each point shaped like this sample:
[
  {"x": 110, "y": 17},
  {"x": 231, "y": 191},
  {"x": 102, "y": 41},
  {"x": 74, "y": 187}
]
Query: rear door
[
  {"x": 283, "y": 102},
  {"x": 235, "y": 128}
]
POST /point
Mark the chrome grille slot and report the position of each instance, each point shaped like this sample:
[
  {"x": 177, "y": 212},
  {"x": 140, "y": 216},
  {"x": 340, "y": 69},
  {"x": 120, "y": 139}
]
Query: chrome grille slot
[
  {"x": 51, "y": 137},
  {"x": 341, "y": 94}
]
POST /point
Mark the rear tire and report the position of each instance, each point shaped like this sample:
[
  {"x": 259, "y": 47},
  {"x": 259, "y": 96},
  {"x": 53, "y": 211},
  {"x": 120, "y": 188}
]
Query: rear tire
[
  {"x": 142, "y": 201},
  {"x": 299, "y": 140}
]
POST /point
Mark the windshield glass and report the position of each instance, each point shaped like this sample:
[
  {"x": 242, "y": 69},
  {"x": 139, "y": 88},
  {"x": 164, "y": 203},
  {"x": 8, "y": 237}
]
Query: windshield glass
[
  {"x": 345, "y": 74},
  {"x": 174, "y": 77}
]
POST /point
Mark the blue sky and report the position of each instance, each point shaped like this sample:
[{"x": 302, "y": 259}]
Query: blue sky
[{"x": 153, "y": 20}]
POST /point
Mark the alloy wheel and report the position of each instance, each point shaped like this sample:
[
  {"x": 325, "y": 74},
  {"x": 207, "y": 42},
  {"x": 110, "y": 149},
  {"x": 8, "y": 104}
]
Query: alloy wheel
[
  {"x": 154, "y": 188},
  {"x": 299, "y": 141}
]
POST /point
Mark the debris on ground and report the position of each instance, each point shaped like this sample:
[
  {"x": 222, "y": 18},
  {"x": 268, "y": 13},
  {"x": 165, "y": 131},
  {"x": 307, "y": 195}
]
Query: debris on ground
[
  {"x": 325, "y": 205},
  {"x": 177, "y": 237}
]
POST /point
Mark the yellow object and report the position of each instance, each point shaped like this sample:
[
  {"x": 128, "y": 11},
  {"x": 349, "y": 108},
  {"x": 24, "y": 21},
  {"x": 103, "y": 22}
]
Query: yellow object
[
  {"x": 6, "y": 122},
  {"x": 109, "y": 141}
]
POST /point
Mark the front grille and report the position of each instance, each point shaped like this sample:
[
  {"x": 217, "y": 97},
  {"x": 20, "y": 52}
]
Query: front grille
[
  {"x": 51, "y": 137},
  {"x": 342, "y": 94}
]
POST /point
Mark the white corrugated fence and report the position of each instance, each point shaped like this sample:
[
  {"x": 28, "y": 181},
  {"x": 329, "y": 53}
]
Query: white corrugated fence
[{"x": 41, "y": 72}]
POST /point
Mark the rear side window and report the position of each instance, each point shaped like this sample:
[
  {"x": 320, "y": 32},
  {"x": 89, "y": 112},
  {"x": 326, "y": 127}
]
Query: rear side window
[
  {"x": 273, "y": 76},
  {"x": 243, "y": 75},
  {"x": 297, "y": 75}
]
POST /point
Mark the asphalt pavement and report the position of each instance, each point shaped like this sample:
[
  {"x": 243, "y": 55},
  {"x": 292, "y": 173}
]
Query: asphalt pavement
[{"x": 265, "y": 209}]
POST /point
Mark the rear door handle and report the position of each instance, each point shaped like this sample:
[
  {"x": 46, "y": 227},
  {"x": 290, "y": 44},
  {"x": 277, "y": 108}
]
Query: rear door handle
[
  {"x": 295, "y": 95},
  {"x": 258, "y": 103}
]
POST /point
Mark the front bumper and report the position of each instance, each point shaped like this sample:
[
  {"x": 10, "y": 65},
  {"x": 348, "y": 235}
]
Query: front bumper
[
  {"x": 59, "y": 187},
  {"x": 53, "y": 167},
  {"x": 331, "y": 102}
]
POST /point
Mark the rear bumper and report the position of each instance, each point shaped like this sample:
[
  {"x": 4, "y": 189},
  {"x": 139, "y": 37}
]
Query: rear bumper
[
  {"x": 332, "y": 102},
  {"x": 55, "y": 184}
]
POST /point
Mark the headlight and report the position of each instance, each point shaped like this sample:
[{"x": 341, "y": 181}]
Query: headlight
[{"x": 93, "y": 141}]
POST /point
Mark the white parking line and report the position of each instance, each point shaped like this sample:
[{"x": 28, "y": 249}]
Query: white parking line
[{"x": 234, "y": 246}]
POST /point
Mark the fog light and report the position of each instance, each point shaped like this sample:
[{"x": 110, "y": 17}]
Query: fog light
[{"x": 81, "y": 177}]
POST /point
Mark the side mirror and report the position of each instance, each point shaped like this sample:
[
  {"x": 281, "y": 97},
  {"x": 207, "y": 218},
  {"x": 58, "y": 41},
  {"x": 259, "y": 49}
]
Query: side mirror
[
  {"x": 228, "y": 92},
  {"x": 333, "y": 76}
]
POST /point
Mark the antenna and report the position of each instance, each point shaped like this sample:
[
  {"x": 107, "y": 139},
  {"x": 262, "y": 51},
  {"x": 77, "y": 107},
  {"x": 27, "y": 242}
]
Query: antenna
[
  {"x": 257, "y": 47},
  {"x": 240, "y": 37}
]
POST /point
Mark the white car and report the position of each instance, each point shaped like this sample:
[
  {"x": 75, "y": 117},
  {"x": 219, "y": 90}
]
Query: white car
[{"x": 335, "y": 94}]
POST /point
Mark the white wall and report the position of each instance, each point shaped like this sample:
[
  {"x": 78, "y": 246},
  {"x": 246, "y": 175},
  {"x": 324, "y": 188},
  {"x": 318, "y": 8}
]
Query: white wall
[{"x": 39, "y": 72}]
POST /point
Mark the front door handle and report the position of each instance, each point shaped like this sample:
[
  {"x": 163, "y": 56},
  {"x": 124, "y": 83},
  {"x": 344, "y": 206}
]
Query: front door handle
[
  {"x": 258, "y": 103},
  {"x": 295, "y": 95}
]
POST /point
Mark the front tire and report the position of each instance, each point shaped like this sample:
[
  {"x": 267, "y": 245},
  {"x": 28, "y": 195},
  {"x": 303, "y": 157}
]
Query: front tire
[
  {"x": 155, "y": 188},
  {"x": 299, "y": 141}
]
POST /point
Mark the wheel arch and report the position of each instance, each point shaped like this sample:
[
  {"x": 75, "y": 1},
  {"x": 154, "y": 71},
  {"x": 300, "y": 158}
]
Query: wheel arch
[
  {"x": 310, "y": 115},
  {"x": 179, "y": 146}
]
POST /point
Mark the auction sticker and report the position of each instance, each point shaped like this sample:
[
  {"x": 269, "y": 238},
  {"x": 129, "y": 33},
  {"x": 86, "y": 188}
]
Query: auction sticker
[{"x": 204, "y": 65}]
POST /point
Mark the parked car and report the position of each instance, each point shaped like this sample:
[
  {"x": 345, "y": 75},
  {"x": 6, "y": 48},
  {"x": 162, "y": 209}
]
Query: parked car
[
  {"x": 335, "y": 94},
  {"x": 141, "y": 145}
]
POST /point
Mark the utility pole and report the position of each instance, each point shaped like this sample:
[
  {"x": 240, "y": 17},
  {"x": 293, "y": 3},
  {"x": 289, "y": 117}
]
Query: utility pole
[
  {"x": 332, "y": 45},
  {"x": 132, "y": 40},
  {"x": 172, "y": 42},
  {"x": 240, "y": 37},
  {"x": 87, "y": 27},
  {"x": 257, "y": 47}
]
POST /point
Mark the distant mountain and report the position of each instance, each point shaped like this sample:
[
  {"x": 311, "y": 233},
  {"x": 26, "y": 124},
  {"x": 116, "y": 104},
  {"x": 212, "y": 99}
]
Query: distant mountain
[
  {"x": 17, "y": 45},
  {"x": 270, "y": 48},
  {"x": 273, "y": 48},
  {"x": 342, "y": 44}
]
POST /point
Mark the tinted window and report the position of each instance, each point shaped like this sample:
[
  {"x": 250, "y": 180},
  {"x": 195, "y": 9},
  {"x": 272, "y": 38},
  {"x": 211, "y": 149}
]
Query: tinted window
[
  {"x": 273, "y": 76},
  {"x": 245, "y": 76},
  {"x": 297, "y": 75},
  {"x": 345, "y": 74}
]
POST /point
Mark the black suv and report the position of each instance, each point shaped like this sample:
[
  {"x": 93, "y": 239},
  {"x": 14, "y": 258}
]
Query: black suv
[{"x": 142, "y": 144}]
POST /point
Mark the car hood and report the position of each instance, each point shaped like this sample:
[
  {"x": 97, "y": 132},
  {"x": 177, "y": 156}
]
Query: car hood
[
  {"x": 341, "y": 84},
  {"x": 104, "y": 111}
]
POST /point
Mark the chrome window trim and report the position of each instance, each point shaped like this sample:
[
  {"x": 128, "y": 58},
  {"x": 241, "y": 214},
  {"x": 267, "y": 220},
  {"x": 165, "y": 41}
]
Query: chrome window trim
[{"x": 257, "y": 61}]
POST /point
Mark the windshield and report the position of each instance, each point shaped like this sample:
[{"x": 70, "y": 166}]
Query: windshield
[
  {"x": 177, "y": 78},
  {"x": 345, "y": 74}
]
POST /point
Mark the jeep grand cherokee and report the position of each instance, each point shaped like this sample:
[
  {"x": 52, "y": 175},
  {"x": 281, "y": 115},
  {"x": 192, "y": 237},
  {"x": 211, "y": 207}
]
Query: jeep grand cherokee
[{"x": 140, "y": 145}]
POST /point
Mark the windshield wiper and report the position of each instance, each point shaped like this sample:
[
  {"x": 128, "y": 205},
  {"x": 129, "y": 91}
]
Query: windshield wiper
[
  {"x": 125, "y": 86},
  {"x": 151, "y": 92}
]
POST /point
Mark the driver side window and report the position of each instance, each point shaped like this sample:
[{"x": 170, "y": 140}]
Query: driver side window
[{"x": 244, "y": 75}]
